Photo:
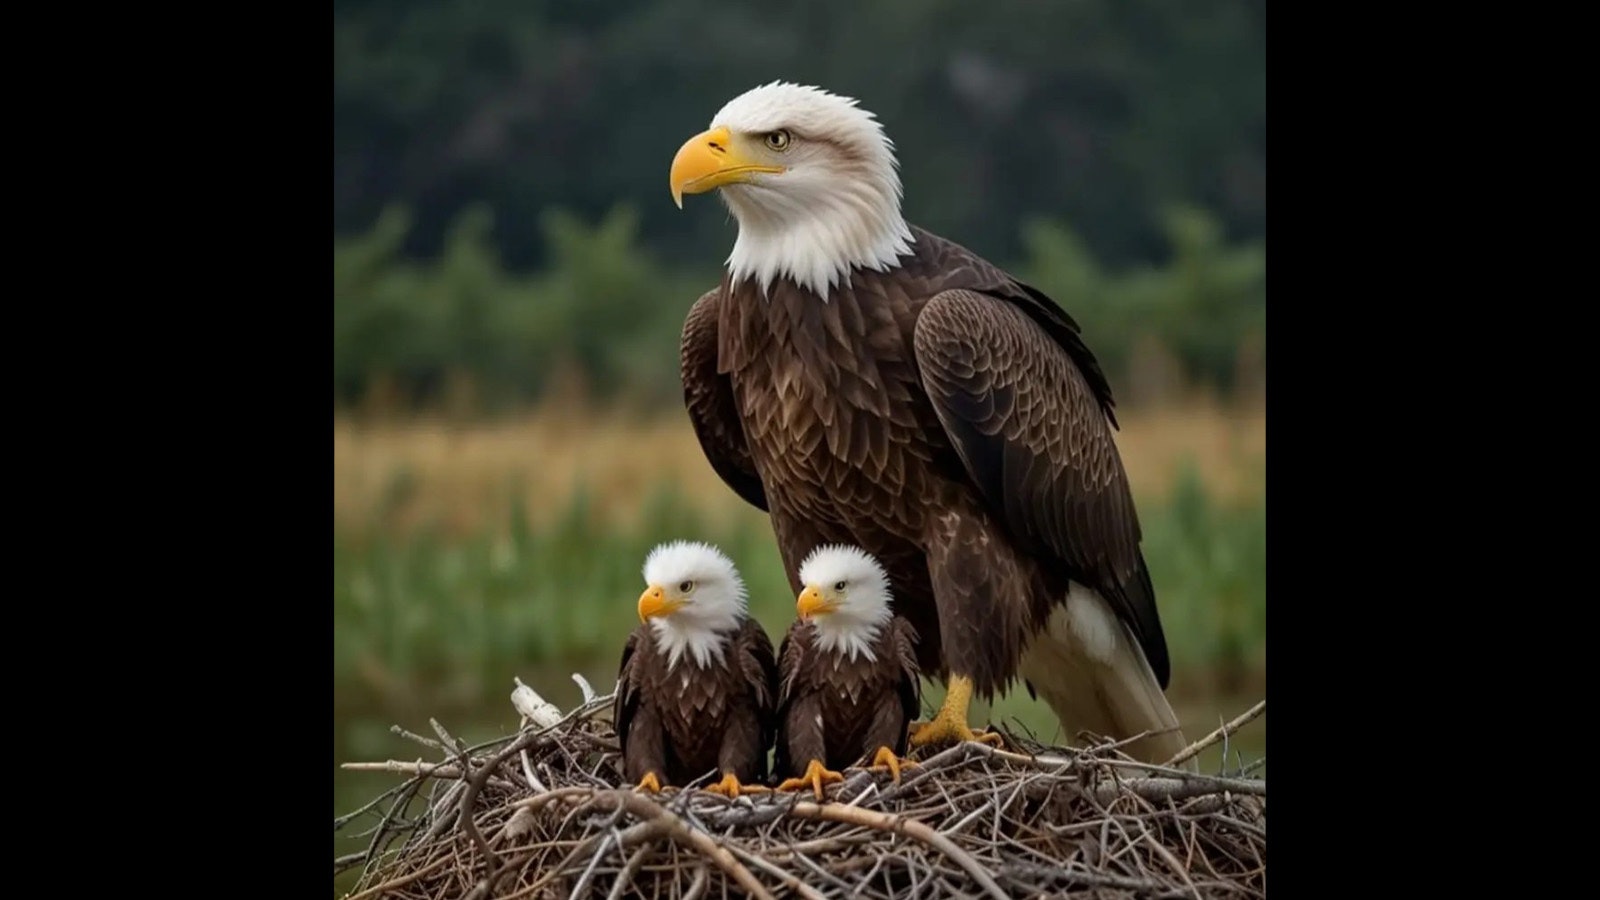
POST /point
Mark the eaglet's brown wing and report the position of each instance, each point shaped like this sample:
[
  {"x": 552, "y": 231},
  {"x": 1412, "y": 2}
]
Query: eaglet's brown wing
[
  {"x": 626, "y": 701},
  {"x": 1035, "y": 439},
  {"x": 642, "y": 750},
  {"x": 708, "y": 397},
  {"x": 905, "y": 652},
  {"x": 797, "y": 732},
  {"x": 759, "y": 664}
]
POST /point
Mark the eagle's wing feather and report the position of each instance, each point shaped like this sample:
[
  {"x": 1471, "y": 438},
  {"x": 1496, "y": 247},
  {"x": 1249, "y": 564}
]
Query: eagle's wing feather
[
  {"x": 708, "y": 396},
  {"x": 1033, "y": 434}
]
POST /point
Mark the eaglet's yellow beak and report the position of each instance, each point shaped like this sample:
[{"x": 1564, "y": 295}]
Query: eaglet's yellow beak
[
  {"x": 710, "y": 160},
  {"x": 812, "y": 603},
  {"x": 654, "y": 602}
]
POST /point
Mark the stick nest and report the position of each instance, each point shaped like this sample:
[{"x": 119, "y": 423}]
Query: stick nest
[{"x": 548, "y": 814}]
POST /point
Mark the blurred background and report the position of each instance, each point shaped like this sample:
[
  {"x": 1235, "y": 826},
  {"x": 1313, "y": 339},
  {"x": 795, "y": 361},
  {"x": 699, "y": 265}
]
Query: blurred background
[{"x": 510, "y": 278}]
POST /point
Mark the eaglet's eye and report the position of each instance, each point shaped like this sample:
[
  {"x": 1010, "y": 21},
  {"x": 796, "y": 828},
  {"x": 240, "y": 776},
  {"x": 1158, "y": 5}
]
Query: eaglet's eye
[
  {"x": 686, "y": 587},
  {"x": 778, "y": 140},
  {"x": 839, "y": 586}
]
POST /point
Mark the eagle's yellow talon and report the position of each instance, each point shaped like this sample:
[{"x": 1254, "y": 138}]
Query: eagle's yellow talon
[
  {"x": 887, "y": 759},
  {"x": 730, "y": 787},
  {"x": 815, "y": 777},
  {"x": 650, "y": 783},
  {"x": 950, "y": 725}
]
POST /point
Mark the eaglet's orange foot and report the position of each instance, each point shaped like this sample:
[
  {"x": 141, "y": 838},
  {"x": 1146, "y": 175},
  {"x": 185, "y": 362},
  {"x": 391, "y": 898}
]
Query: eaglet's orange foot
[
  {"x": 816, "y": 775},
  {"x": 730, "y": 787},
  {"x": 950, "y": 725},
  {"x": 649, "y": 783}
]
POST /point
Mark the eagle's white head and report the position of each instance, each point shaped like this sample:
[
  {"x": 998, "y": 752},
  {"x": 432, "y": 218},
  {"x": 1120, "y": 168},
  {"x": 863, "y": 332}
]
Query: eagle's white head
[
  {"x": 812, "y": 180},
  {"x": 846, "y": 598},
  {"x": 694, "y": 600}
]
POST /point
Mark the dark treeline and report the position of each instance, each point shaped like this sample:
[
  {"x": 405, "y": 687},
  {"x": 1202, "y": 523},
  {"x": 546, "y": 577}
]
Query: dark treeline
[{"x": 1094, "y": 142}]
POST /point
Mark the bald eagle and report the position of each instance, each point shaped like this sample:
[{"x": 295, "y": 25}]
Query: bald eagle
[
  {"x": 698, "y": 677},
  {"x": 867, "y": 382},
  {"x": 847, "y": 673}
]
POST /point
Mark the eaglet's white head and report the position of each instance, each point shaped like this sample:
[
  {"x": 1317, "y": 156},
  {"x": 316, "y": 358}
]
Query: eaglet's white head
[
  {"x": 812, "y": 180},
  {"x": 846, "y": 598},
  {"x": 694, "y": 600}
]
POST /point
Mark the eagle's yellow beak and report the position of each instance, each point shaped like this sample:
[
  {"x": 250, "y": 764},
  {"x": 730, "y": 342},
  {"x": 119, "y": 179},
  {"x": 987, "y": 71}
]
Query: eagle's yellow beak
[
  {"x": 710, "y": 160},
  {"x": 654, "y": 602},
  {"x": 812, "y": 603}
]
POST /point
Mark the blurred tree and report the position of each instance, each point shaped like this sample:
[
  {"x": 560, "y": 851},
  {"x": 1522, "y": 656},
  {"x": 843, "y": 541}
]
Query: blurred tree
[{"x": 1097, "y": 112}]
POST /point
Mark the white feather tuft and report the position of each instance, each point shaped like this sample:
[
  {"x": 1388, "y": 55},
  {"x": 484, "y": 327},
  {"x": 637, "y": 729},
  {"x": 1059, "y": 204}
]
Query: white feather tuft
[
  {"x": 834, "y": 208},
  {"x": 714, "y": 606},
  {"x": 864, "y": 605}
]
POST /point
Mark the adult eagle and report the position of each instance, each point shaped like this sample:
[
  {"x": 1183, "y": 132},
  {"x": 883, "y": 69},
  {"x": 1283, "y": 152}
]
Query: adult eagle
[
  {"x": 866, "y": 382},
  {"x": 847, "y": 673},
  {"x": 697, "y": 682}
]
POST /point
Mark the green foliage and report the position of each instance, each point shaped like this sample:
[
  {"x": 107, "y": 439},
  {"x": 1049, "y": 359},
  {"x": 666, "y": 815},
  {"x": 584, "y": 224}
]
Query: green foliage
[
  {"x": 605, "y": 309},
  {"x": 1203, "y": 306},
  {"x": 1209, "y": 565}
]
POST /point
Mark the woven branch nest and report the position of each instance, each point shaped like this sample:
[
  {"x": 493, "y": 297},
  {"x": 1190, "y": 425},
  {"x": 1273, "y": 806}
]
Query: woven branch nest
[{"x": 551, "y": 816}]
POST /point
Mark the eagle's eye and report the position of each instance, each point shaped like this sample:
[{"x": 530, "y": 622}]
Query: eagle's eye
[
  {"x": 686, "y": 587},
  {"x": 839, "y": 586},
  {"x": 778, "y": 140}
]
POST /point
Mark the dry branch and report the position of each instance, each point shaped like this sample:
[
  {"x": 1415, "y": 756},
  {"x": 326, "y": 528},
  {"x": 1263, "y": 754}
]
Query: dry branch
[{"x": 971, "y": 820}]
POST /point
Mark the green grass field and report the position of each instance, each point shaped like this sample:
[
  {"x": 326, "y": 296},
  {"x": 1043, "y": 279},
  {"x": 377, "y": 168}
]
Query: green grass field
[{"x": 430, "y": 625}]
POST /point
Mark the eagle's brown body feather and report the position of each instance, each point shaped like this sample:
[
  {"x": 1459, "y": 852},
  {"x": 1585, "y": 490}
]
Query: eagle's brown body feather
[
  {"x": 838, "y": 710},
  {"x": 949, "y": 421},
  {"x": 688, "y": 721}
]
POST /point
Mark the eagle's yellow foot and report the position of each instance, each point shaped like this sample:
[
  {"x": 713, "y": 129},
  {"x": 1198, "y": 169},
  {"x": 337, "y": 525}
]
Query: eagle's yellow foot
[
  {"x": 948, "y": 731},
  {"x": 886, "y": 759},
  {"x": 730, "y": 787},
  {"x": 816, "y": 775},
  {"x": 950, "y": 725},
  {"x": 649, "y": 783}
]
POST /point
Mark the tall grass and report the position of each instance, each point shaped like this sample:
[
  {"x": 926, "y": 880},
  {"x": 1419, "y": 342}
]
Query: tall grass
[{"x": 419, "y": 613}]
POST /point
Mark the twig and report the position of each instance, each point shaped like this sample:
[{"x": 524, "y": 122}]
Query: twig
[
  {"x": 341, "y": 821},
  {"x": 428, "y": 742},
  {"x": 702, "y": 876},
  {"x": 582, "y": 886},
  {"x": 838, "y": 812},
  {"x": 420, "y": 769},
  {"x": 374, "y": 848},
  {"x": 449, "y": 742},
  {"x": 491, "y": 859},
  {"x": 1194, "y": 749},
  {"x": 1160, "y": 788},
  {"x": 583, "y": 685},
  {"x": 527, "y": 771},
  {"x": 788, "y": 881},
  {"x": 646, "y": 809},
  {"x": 629, "y": 871},
  {"x": 403, "y": 880}
]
